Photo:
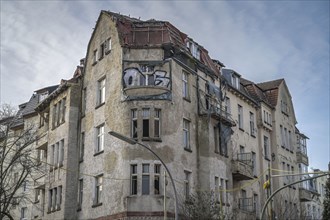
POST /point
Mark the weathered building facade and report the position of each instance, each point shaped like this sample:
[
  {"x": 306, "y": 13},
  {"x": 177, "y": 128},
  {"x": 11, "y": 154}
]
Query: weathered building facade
[{"x": 216, "y": 131}]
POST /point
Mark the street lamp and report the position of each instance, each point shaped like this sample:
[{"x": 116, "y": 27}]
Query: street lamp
[{"x": 133, "y": 142}]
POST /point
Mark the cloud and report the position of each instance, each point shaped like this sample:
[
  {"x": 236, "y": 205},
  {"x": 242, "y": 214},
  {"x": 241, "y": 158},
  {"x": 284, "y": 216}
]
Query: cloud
[{"x": 42, "y": 42}]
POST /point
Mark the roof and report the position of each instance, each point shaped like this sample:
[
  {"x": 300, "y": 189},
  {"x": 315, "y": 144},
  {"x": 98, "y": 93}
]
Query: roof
[
  {"x": 274, "y": 84},
  {"x": 135, "y": 33}
]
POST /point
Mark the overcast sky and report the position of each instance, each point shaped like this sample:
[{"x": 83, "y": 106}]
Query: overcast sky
[{"x": 43, "y": 41}]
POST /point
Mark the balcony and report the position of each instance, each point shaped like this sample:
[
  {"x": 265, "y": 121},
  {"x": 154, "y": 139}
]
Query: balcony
[
  {"x": 302, "y": 158},
  {"x": 224, "y": 116},
  {"x": 42, "y": 140},
  {"x": 242, "y": 167},
  {"x": 307, "y": 195},
  {"x": 146, "y": 80}
]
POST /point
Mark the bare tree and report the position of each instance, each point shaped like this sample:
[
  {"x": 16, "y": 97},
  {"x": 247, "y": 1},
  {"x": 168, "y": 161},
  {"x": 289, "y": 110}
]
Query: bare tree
[
  {"x": 17, "y": 163},
  {"x": 205, "y": 205}
]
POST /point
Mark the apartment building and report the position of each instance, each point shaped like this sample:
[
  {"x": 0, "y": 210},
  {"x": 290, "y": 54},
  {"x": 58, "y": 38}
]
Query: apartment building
[{"x": 216, "y": 131}]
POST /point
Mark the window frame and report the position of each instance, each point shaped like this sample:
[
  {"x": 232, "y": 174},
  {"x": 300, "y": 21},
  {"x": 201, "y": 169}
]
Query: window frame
[
  {"x": 186, "y": 134},
  {"x": 101, "y": 92},
  {"x": 145, "y": 186},
  {"x": 185, "y": 85},
  {"x": 100, "y": 139},
  {"x": 134, "y": 179},
  {"x": 98, "y": 188},
  {"x": 240, "y": 117}
]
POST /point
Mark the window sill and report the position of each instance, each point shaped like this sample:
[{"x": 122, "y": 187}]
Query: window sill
[
  {"x": 107, "y": 52},
  {"x": 83, "y": 115},
  {"x": 252, "y": 135},
  {"x": 79, "y": 209},
  {"x": 241, "y": 129},
  {"x": 97, "y": 205},
  {"x": 266, "y": 158},
  {"x": 82, "y": 160},
  {"x": 101, "y": 58},
  {"x": 187, "y": 149},
  {"x": 99, "y": 105},
  {"x": 94, "y": 63},
  {"x": 98, "y": 153},
  {"x": 186, "y": 99},
  {"x": 151, "y": 139}
]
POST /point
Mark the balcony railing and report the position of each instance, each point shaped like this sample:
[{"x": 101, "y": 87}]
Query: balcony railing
[
  {"x": 246, "y": 204},
  {"x": 242, "y": 167},
  {"x": 307, "y": 195},
  {"x": 224, "y": 116},
  {"x": 302, "y": 158}
]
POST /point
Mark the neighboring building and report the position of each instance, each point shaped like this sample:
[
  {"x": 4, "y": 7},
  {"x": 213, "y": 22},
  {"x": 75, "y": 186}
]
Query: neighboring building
[{"x": 215, "y": 130}]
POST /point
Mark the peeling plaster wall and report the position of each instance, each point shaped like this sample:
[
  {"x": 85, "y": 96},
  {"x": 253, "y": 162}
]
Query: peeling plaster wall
[{"x": 66, "y": 176}]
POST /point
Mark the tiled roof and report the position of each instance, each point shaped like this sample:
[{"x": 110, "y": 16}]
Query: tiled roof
[
  {"x": 274, "y": 84},
  {"x": 255, "y": 92},
  {"x": 154, "y": 33}
]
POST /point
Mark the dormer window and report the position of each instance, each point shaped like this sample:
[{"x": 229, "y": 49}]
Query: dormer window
[
  {"x": 194, "y": 49},
  {"x": 235, "y": 81},
  {"x": 42, "y": 96}
]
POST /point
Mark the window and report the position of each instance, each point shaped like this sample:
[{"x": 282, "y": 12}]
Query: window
[
  {"x": 24, "y": 186},
  {"x": 266, "y": 148},
  {"x": 145, "y": 179},
  {"x": 185, "y": 85},
  {"x": 223, "y": 194},
  {"x": 147, "y": 78},
  {"x": 216, "y": 139},
  {"x": 15, "y": 177},
  {"x": 227, "y": 193},
  {"x": 54, "y": 199},
  {"x": 285, "y": 138},
  {"x": 57, "y": 155},
  {"x": 150, "y": 123},
  {"x": 23, "y": 213},
  {"x": 98, "y": 189},
  {"x": 187, "y": 184},
  {"x": 134, "y": 125},
  {"x": 290, "y": 147},
  {"x": 102, "y": 51},
  {"x": 186, "y": 135},
  {"x": 59, "y": 113},
  {"x": 254, "y": 163},
  {"x": 235, "y": 81},
  {"x": 145, "y": 122},
  {"x": 37, "y": 195},
  {"x": 101, "y": 91},
  {"x": 292, "y": 177},
  {"x": 82, "y": 147},
  {"x": 255, "y": 203},
  {"x": 252, "y": 128},
  {"x": 61, "y": 153},
  {"x": 108, "y": 46},
  {"x": 244, "y": 201},
  {"x": 157, "y": 123},
  {"x": 100, "y": 139},
  {"x": 282, "y": 136},
  {"x": 42, "y": 156},
  {"x": 157, "y": 179},
  {"x": 80, "y": 192},
  {"x": 240, "y": 117},
  {"x": 217, "y": 188},
  {"x": 284, "y": 107},
  {"x": 227, "y": 106},
  {"x": 134, "y": 180},
  {"x": 83, "y": 101},
  {"x": 94, "y": 56}
]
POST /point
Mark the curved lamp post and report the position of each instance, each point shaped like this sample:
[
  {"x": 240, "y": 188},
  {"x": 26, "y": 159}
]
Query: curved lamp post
[
  {"x": 270, "y": 197},
  {"x": 133, "y": 142}
]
